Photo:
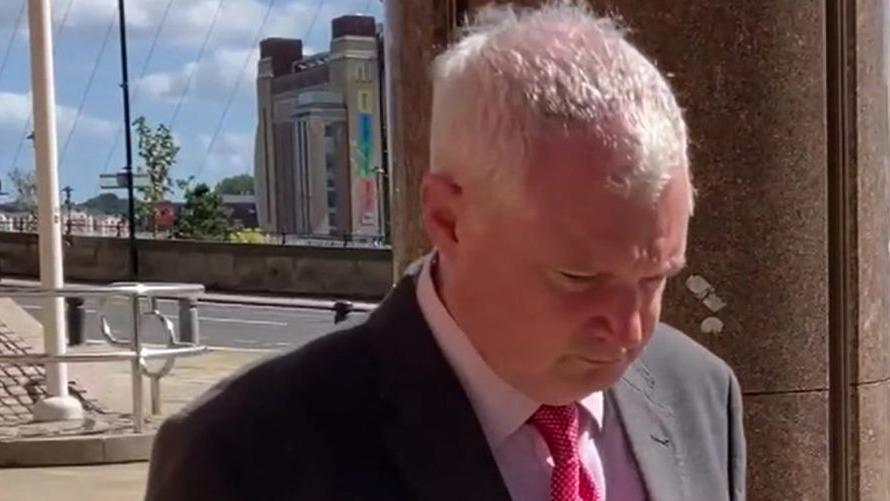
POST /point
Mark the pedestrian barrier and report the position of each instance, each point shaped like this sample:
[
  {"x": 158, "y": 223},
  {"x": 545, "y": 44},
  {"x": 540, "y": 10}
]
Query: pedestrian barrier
[{"x": 143, "y": 300}]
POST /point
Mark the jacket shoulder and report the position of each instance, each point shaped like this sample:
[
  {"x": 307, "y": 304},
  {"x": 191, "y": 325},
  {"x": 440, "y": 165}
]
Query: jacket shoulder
[
  {"x": 673, "y": 353},
  {"x": 265, "y": 422},
  {"x": 336, "y": 360},
  {"x": 684, "y": 370}
]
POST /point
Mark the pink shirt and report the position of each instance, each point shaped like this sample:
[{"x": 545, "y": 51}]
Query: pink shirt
[{"x": 520, "y": 452}]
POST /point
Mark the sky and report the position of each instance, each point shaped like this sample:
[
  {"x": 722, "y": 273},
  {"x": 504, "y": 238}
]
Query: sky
[{"x": 185, "y": 81}]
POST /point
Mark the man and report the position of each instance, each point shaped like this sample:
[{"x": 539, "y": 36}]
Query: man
[{"x": 523, "y": 359}]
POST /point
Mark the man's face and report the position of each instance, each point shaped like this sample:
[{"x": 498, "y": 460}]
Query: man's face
[{"x": 559, "y": 299}]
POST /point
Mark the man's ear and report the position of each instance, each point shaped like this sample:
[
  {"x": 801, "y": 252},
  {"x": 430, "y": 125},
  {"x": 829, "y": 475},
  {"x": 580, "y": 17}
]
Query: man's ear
[{"x": 441, "y": 200}]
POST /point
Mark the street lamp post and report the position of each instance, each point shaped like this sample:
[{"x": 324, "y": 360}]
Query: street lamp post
[
  {"x": 382, "y": 201},
  {"x": 58, "y": 405},
  {"x": 128, "y": 142},
  {"x": 68, "y": 225}
]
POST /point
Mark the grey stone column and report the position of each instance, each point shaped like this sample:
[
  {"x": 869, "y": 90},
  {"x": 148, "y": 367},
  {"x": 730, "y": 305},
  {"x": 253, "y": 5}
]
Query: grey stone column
[
  {"x": 869, "y": 184},
  {"x": 416, "y": 31}
]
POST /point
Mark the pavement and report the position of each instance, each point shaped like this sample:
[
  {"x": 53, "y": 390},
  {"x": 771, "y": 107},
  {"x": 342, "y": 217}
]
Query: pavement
[
  {"x": 22, "y": 385},
  {"x": 120, "y": 482},
  {"x": 109, "y": 384},
  {"x": 272, "y": 329}
]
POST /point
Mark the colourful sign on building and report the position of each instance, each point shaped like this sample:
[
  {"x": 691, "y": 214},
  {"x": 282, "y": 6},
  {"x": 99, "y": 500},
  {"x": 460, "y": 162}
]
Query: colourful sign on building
[{"x": 367, "y": 185}]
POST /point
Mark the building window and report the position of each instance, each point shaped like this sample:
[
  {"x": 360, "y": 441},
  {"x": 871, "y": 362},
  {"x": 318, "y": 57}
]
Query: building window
[
  {"x": 363, "y": 72},
  {"x": 303, "y": 176},
  {"x": 330, "y": 159}
]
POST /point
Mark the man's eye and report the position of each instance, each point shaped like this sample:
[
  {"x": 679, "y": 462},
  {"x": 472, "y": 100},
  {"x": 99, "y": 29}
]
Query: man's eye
[
  {"x": 579, "y": 280},
  {"x": 576, "y": 277}
]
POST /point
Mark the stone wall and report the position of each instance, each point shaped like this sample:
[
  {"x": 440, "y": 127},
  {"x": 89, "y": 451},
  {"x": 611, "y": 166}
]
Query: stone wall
[{"x": 238, "y": 268}]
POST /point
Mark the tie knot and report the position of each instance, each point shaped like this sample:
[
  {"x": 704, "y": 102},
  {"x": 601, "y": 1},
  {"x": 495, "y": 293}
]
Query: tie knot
[{"x": 558, "y": 426}]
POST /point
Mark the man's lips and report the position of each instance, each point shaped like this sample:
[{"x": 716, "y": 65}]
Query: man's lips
[{"x": 601, "y": 361}]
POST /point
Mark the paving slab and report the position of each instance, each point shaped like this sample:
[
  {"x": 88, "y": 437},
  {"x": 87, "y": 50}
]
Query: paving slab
[{"x": 117, "y": 482}]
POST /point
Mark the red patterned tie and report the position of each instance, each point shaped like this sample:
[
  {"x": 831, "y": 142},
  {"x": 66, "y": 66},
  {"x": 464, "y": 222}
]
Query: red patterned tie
[{"x": 570, "y": 480}]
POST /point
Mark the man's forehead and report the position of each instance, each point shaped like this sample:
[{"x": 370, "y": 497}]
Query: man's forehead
[
  {"x": 589, "y": 157},
  {"x": 590, "y": 168},
  {"x": 589, "y": 217}
]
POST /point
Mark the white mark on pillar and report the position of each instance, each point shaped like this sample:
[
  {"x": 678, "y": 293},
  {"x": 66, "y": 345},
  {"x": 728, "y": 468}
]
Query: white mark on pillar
[
  {"x": 712, "y": 325},
  {"x": 714, "y": 302},
  {"x": 704, "y": 291},
  {"x": 698, "y": 285}
]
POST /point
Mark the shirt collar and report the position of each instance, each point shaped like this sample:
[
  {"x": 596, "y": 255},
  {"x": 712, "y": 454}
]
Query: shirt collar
[{"x": 501, "y": 408}]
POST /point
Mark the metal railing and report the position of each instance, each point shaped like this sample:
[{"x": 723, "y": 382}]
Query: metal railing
[
  {"x": 118, "y": 228},
  {"x": 137, "y": 354}
]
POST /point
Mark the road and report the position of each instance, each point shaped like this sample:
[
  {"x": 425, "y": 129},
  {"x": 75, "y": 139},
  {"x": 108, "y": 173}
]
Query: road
[{"x": 221, "y": 325}]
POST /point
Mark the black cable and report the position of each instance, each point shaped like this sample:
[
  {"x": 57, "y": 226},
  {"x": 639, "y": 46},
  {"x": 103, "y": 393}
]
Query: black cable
[
  {"x": 15, "y": 29},
  {"x": 314, "y": 20},
  {"x": 151, "y": 51},
  {"x": 18, "y": 149},
  {"x": 24, "y": 134},
  {"x": 234, "y": 92},
  {"x": 191, "y": 75},
  {"x": 154, "y": 40},
  {"x": 64, "y": 18},
  {"x": 89, "y": 86}
]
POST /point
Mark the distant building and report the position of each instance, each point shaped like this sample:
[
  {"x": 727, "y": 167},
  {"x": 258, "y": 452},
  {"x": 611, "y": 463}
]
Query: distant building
[
  {"x": 165, "y": 215},
  {"x": 319, "y": 142},
  {"x": 240, "y": 210}
]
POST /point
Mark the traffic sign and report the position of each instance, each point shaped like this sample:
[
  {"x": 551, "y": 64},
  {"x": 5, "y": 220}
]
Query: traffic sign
[{"x": 118, "y": 180}]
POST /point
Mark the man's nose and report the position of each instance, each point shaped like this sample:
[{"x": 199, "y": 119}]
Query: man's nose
[{"x": 622, "y": 312}]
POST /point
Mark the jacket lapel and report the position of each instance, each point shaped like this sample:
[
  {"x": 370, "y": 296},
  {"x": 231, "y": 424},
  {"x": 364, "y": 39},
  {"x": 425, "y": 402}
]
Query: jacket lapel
[
  {"x": 434, "y": 435},
  {"x": 651, "y": 430}
]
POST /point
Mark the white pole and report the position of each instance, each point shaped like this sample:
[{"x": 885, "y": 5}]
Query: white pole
[{"x": 59, "y": 404}]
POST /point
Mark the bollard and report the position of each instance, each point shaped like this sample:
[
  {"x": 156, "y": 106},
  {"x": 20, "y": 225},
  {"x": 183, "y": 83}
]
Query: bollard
[
  {"x": 188, "y": 320},
  {"x": 155, "y": 396},
  {"x": 342, "y": 309},
  {"x": 76, "y": 320}
]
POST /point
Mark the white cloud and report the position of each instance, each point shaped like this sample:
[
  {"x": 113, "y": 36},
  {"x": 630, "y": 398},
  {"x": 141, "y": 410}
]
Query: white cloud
[
  {"x": 213, "y": 77},
  {"x": 188, "y": 20},
  {"x": 9, "y": 12},
  {"x": 232, "y": 154},
  {"x": 216, "y": 73},
  {"x": 15, "y": 110}
]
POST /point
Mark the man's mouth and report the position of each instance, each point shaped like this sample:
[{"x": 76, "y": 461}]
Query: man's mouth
[{"x": 601, "y": 361}]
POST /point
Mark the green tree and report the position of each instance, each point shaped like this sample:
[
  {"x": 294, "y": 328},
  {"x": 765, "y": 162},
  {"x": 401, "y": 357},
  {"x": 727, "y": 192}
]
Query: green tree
[
  {"x": 248, "y": 236},
  {"x": 158, "y": 151},
  {"x": 24, "y": 187},
  {"x": 106, "y": 203},
  {"x": 236, "y": 185},
  {"x": 202, "y": 217}
]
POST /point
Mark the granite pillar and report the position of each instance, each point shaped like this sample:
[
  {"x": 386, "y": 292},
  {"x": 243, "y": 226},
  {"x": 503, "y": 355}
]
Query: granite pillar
[
  {"x": 416, "y": 31},
  {"x": 870, "y": 53},
  {"x": 789, "y": 259}
]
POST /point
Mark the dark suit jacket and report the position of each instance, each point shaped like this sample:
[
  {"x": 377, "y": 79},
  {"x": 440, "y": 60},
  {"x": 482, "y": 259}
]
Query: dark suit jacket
[{"x": 375, "y": 412}]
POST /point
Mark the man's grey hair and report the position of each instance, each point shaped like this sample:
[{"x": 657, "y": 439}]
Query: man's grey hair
[{"x": 517, "y": 75}]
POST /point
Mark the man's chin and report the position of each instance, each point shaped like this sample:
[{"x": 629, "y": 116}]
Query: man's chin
[
  {"x": 599, "y": 375},
  {"x": 584, "y": 380}
]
